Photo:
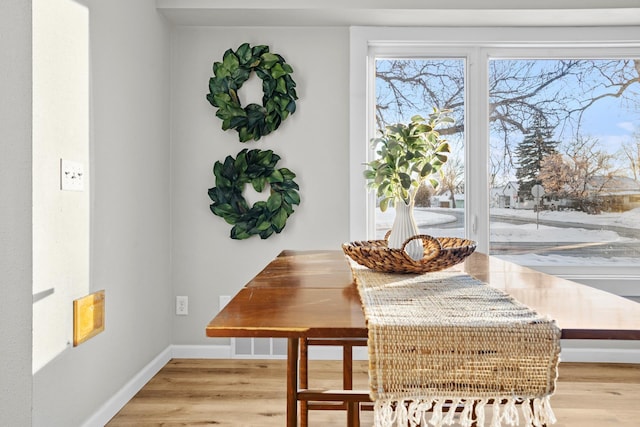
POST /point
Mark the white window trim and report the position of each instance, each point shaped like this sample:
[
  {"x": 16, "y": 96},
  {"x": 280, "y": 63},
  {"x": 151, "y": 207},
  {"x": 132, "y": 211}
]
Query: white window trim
[{"x": 476, "y": 45}]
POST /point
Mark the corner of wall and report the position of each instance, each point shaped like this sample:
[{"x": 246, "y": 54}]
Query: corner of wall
[{"x": 15, "y": 213}]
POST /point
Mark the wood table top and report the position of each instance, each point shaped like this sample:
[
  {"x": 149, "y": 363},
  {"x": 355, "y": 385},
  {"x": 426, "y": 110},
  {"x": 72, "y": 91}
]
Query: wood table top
[{"x": 312, "y": 294}]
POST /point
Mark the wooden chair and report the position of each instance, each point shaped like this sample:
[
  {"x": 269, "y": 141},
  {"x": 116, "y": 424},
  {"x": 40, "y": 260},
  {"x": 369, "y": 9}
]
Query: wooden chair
[{"x": 346, "y": 399}]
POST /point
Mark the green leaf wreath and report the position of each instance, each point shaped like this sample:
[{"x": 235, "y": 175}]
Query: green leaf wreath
[
  {"x": 279, "y": 94},
  {"x": 258, "y": 168}
]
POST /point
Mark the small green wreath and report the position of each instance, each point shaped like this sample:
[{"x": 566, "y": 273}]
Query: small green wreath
[
  {"x": 279, "y": 94},
  {"x": 256, "y": 167}
]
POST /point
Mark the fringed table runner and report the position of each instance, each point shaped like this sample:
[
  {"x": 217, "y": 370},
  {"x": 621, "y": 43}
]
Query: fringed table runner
[{"x": 446, "y": 339}]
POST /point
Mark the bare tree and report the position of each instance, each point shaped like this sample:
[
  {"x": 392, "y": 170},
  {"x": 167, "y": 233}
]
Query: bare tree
[
  {"x": 580, "y": 174},
  {"x": 555, "y": 175},
  {"x": 520, "y": 90},
  {"x": 406, "y": 87},
  {"x": 451, "y": 179},
  {"x": 630, "y": 153}
]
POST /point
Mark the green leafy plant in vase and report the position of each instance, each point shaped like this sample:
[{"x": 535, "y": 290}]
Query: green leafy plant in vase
[{"x": 407, "y": 155}]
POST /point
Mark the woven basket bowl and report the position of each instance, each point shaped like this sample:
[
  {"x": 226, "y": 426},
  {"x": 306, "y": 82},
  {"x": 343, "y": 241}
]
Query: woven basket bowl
[{"x": 439, "y": 253}]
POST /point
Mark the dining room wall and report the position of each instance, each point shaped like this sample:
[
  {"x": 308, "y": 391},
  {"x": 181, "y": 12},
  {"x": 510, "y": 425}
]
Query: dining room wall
[
  {"x": 313, "y": 143},
  {"x": 60, "y": 134},
  {"x": 130, "y": 225},
  {"x": 15, "y": 213}
]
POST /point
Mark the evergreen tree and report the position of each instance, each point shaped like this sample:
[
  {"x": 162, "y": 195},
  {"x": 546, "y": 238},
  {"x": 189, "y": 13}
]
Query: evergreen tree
[{"x": 535, "y": 146}]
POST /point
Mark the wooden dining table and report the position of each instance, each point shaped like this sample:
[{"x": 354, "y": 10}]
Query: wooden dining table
[{"x": 303, "y": 295}]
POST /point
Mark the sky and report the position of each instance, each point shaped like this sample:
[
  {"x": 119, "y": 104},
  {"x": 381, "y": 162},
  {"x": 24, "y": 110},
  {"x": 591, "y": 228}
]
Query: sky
[{"x": 611, "y": 123}]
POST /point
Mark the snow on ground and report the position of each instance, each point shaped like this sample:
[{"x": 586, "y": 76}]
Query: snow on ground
[
  {"x": 625, "y": 219},
  {"x": 504, "y": 232},
  {"x": 384, "y": 220},
  {"x": 533, "y": 260}
]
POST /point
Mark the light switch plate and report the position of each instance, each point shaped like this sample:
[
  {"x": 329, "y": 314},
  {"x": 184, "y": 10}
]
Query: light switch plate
[{"x": 71, "y": 175}]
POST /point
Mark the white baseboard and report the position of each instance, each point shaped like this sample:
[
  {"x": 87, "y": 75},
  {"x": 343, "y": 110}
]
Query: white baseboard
[
  {"x": 572, "y": 354},
  {"x": 117, "y": 401},
  {"x": 587, "y": 352},
  {"x": 595, "y": 355},
  {"x": 335, "y": 353},
  {"x": 201, "y": 351}
]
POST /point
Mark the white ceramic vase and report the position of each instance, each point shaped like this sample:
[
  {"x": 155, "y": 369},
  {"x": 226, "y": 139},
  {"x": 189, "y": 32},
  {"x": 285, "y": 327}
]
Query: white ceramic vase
[{"x": 404, "y": 227}]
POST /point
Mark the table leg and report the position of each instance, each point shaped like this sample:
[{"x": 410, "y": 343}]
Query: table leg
[
  {"x": 347, "y": 367},
  {"x": 303, "y": 378},
  {"x": 353, "y": 408},
  {"x": 292, "y": 382},
  {"x": 353, "y": 414}
]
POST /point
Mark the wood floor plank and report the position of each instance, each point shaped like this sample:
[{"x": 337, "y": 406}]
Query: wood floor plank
[{"x": 251, "y": 393}]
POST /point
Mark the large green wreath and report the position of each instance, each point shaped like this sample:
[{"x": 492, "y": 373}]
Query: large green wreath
[
  {"x": 278, "y": 102},
  {"x": 258, "y": 168}
]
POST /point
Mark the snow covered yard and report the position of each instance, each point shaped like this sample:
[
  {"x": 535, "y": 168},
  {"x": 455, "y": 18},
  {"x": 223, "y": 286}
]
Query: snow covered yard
[{"x": 506, "y": 232}]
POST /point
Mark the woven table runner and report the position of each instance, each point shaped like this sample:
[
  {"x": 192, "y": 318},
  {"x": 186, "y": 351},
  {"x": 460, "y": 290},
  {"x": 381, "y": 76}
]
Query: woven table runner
[{"x": 444, "y": 340}]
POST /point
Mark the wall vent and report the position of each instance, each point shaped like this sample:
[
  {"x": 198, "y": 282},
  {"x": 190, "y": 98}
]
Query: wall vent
[{"x": 259, "y": 348}]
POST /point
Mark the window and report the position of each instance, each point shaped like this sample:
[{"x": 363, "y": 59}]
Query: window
[
  {"x": 513, "y": 90},
  {"x": 564, "y": 147},
  {"x": 414, "y": 86}
]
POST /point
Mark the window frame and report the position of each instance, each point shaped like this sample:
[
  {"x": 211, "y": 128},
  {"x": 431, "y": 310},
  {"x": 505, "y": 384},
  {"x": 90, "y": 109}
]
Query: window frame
[{"x": 477, "y": 46}]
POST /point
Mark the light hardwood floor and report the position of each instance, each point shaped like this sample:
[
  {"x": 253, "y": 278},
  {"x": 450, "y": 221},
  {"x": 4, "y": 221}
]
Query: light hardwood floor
[{"x": 188, "y": 392}]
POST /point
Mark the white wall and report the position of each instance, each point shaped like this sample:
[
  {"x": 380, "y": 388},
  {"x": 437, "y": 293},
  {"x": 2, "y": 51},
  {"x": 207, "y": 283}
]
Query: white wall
[
  {"x": 60, "y": 131},
  {"x": 15, "y": 213},
  {"x": 313, "y": 143},
  {"x": 129, "y": 214}
]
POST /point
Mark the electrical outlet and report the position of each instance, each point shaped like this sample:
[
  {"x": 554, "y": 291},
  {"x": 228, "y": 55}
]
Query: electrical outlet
[{"x": 182, "y": 305}]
